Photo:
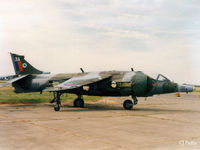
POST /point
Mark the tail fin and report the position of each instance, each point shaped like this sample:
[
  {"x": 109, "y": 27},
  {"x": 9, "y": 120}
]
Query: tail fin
[{"x": 21, "y": 66}]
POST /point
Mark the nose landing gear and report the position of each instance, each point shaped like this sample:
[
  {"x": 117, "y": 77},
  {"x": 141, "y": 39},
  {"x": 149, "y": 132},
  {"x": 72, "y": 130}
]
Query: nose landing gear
[
  {"x": 128, "y": 104},
  {"x": 135, "y": 100}
]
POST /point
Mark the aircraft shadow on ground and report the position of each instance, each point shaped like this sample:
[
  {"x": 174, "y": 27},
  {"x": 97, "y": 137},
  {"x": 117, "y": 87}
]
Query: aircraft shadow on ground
[
  {"x": 93, "y": 107},
  {"x": 99, "y": 107},
  {"x": 23, "y": 105}
]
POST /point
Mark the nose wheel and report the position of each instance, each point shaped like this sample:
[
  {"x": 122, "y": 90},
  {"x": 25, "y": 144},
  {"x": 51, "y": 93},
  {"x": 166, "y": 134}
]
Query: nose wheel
[{"x": 128, "y": 104}]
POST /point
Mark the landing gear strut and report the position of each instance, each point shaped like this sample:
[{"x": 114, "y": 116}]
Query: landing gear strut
[
  {"x": 57, "y": 100},
  {"x": 135, "y": 100},
  {"x": 128, "y": 104},
  {"x": 79, "y": 102},
  {"x": 54, "y": 98}
]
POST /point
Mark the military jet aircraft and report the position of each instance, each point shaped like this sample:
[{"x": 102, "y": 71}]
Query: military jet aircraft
[{"x": 107, "y": 83}]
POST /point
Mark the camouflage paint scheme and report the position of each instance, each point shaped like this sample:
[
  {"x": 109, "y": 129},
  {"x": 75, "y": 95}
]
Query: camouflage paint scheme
[{"x": 107, "y": 83}]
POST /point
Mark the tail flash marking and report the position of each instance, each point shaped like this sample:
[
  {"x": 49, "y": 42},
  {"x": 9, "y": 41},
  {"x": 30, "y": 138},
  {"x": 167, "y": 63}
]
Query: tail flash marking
[
  {"x": 20, "y": 66},
  {"x": 16, "y": 66}
]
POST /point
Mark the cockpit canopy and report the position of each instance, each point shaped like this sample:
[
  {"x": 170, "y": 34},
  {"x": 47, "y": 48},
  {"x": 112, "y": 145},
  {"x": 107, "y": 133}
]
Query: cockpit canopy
[{"x": 161, "y": 77}]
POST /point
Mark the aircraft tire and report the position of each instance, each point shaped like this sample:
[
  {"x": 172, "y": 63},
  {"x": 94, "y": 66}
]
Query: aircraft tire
[
  {"x": 128, "y": 104},
  {"x": 57, "y": 108},
  {"x": 79, "y": 103}
]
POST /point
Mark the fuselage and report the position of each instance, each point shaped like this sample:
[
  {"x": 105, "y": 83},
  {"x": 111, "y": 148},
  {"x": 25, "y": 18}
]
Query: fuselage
[{"x": 121, "y": 83}]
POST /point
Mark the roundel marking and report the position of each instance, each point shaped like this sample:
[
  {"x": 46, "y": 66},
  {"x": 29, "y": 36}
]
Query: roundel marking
[
  {"x": 114, "y": 84},
  {"x": 24, "y": 65}
]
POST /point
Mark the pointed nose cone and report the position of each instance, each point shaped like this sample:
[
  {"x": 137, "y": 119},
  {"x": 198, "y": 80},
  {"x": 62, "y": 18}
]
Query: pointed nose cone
[{"x": 185, "y": 88}]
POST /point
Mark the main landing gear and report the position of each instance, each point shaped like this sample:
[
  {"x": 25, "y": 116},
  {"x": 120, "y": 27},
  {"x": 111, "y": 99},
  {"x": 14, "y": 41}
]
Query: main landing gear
[
  {"x": 79, "y": 102},
  {"x": 128, "y": 104},
  {"x": 57, "y": 100}
]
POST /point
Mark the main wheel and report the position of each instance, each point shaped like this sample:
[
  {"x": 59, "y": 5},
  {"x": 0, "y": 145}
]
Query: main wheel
[
  {"x": 57, "y": 107},
  {"x": 128, "y": 104},
  {"x": 78, "y": 103}
]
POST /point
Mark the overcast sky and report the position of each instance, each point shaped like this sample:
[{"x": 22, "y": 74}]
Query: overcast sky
[{"x": 60, "y": 36}]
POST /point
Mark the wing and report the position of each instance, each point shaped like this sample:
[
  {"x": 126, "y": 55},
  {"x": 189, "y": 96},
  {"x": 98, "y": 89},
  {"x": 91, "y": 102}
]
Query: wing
[
  {"x": 79, "y": 81},
  {"x": 13, "y": 80}
]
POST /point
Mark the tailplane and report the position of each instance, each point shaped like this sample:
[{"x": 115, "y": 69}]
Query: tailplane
[{"x": 22, "y": 67}]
